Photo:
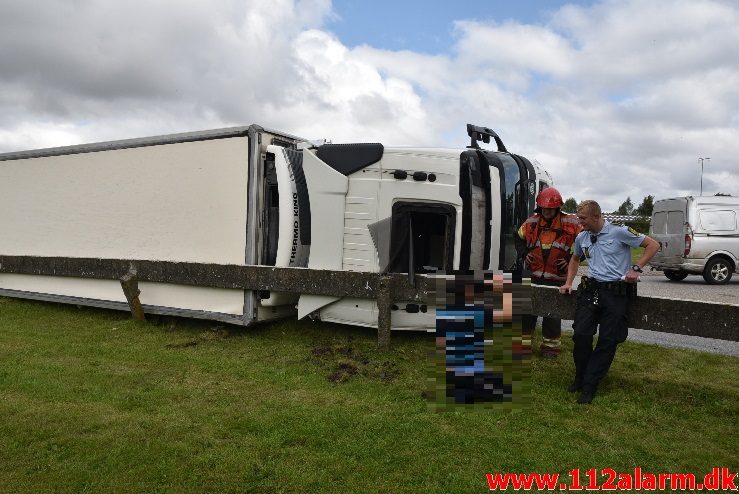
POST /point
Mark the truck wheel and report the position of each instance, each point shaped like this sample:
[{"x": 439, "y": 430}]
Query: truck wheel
[
  {"x": 718, "y": 271},
  {"x": 676, "y": 275}
]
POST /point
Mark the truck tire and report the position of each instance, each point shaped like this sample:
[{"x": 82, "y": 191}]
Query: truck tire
[
  {"x": 675, "y": 275},
  {"x": 718, "y": 271}
]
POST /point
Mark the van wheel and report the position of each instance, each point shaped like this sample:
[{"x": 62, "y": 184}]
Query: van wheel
[
  {"x": 676, "y": 275},
  {"x": 718, "y": 271}
]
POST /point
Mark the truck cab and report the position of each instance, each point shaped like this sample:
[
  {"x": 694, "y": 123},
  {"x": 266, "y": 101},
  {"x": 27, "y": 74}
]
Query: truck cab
[{"x": 413, "y": 211}]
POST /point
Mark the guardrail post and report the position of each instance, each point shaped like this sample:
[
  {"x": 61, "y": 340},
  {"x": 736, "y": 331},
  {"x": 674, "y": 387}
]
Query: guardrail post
[
  {"x": 384, "y": 303},
  {"x": 130, "y": 285}
]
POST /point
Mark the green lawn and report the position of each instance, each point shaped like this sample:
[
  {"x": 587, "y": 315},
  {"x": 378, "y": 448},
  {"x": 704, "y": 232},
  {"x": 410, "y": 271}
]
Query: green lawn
[
  {"x": 636, "y": 254},
  {"x": 91, "y": 401}
]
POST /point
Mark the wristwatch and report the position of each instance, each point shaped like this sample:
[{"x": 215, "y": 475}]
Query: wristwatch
[{"x": 636, "y": 268}]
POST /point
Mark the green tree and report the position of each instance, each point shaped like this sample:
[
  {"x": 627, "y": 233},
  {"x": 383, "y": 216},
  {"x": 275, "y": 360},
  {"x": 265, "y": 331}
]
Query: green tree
[
  {"x": 570, "y": 205},
  {"x": 627, "y": 207},
  {"x": 646, "y": 207}
]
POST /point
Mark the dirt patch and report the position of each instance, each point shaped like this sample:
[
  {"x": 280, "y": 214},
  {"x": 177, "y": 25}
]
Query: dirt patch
[
  {"x": 343, "y": 372},
  {"x": 383, "y": 371},
  {"x": 343, "y": 362}
]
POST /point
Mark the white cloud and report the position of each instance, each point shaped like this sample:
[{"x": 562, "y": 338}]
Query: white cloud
[
  {"x": 633, "y": 43},
  {"x": 616, "y": 99},
  {"x": 513, "y": 46},
  {"x": 342, "y": 97}
]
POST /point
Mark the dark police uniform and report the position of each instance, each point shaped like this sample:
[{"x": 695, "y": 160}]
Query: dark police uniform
[{"x": 602, "y": 299}]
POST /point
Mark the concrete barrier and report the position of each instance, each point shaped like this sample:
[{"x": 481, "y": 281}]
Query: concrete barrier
[
  {"x": 688, "y": 317},
  {"x": 705, "y": 319}
]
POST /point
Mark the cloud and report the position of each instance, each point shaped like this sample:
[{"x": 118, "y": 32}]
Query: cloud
[
  {"x": 88, "y": 60},
  {"x": 514, "y": 47},
  {"x": 343, "y": 97},
  {"x": 633, "y": 43},
  {"x": 617, "y": 98},
  {"x": 639, "y": 91}
]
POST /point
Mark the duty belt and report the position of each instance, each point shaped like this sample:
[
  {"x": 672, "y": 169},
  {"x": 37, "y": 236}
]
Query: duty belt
[{"x": 618, "y": 287}]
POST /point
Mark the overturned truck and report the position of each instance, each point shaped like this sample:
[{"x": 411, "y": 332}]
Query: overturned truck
[{"x": 254, "y": 196}]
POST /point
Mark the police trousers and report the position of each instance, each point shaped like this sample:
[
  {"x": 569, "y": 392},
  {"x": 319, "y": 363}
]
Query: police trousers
[{"x": 604, "y": 311}]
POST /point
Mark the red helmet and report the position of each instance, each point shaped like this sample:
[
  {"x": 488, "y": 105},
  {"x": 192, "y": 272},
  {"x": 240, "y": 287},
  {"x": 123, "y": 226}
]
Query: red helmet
[{"x": 549, "y": 198}]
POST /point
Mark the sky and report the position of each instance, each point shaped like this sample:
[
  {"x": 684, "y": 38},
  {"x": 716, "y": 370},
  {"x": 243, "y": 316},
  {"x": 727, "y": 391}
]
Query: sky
[{"x": 616, "y": 99}]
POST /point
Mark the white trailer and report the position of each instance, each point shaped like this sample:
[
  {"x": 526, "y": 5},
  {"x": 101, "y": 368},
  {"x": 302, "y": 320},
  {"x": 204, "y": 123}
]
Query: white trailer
[{"x": 252, "y": 196}]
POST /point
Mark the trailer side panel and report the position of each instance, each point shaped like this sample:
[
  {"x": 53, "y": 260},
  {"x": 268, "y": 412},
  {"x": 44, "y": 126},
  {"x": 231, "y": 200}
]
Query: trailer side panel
[{"x": 174, "y": 202}]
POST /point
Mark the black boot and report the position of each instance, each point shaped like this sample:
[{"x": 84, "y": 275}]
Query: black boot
[
  {"x": 586, "y": 396},
  {"x": 575, "y": 386}
]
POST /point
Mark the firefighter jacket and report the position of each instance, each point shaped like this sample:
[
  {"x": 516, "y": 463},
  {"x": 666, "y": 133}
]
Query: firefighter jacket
[{"x": 548, "y": 243}]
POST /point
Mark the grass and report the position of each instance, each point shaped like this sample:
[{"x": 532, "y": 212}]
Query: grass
[
  {"x": 91, "y": 401},
  {"x": 636, "y": 253}
]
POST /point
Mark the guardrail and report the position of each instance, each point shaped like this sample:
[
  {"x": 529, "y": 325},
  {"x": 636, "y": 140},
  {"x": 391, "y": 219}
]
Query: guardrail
[
  {"x": 676, "y": 316},
  {"x": 704, "y": 319}
]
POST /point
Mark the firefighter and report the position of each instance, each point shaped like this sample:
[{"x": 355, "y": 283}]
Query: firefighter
[{"x": 545, "y": 245}]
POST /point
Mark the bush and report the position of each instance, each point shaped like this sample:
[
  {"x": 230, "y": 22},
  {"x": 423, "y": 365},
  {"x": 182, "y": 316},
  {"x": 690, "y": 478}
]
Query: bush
[{"x": 641, "y": 226}]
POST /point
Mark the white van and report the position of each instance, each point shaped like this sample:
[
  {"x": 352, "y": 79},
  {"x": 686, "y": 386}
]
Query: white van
[{"x": 697, "y": 235}]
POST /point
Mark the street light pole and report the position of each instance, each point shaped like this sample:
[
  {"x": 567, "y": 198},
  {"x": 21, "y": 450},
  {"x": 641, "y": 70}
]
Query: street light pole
[{"x": 702, "y": 159}]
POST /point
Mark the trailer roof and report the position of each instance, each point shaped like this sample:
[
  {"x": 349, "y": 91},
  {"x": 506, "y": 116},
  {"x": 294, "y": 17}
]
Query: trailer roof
[{"x": 200, "y": 135}]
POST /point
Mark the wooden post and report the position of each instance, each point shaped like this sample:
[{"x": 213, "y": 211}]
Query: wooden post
[
  {"x": 130, "y": 285},
  {"x": 384, "y": 303}
]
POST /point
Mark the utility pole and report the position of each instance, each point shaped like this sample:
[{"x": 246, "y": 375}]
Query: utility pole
[{"x": 702, "y": 159}]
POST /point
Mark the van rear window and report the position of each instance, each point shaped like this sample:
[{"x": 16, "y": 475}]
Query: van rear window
[
  {"x": 717, "y": 220},
  {"x": 675, "y": 221},
  {"x": 659, "y": 223}
]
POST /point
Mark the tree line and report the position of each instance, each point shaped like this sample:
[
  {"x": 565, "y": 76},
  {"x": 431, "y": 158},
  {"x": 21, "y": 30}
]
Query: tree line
[{"x": 626, "y": 208}]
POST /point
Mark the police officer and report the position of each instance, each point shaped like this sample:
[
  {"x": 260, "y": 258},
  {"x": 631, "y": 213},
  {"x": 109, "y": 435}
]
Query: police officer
[
  {"x": 545, "y": 242},
  {"x": 604, "y": 294}
]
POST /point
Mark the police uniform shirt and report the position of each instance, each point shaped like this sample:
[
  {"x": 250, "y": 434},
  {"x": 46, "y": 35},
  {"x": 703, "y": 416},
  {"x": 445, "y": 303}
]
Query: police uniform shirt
[{"x": 609, "y": 257}]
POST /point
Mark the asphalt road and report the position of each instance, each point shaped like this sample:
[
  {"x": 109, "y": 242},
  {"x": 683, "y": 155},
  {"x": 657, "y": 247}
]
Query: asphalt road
[{"x": 655, "y": 284}]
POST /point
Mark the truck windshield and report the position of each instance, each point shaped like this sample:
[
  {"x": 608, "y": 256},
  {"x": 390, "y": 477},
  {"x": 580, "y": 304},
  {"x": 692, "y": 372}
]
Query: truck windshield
[{"x": 511, "y": 204}]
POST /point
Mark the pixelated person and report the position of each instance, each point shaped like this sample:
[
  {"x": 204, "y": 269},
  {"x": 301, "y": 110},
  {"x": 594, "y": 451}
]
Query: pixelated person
[{"x": 465, "y": 308}]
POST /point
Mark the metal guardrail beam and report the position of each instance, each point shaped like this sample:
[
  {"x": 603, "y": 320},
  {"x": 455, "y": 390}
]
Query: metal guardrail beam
[{"x": 705, "y": 319}]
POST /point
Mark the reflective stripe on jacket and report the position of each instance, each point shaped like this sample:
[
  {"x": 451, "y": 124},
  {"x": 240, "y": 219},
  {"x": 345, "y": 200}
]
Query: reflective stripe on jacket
[{"x": 547, "y": 243}]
